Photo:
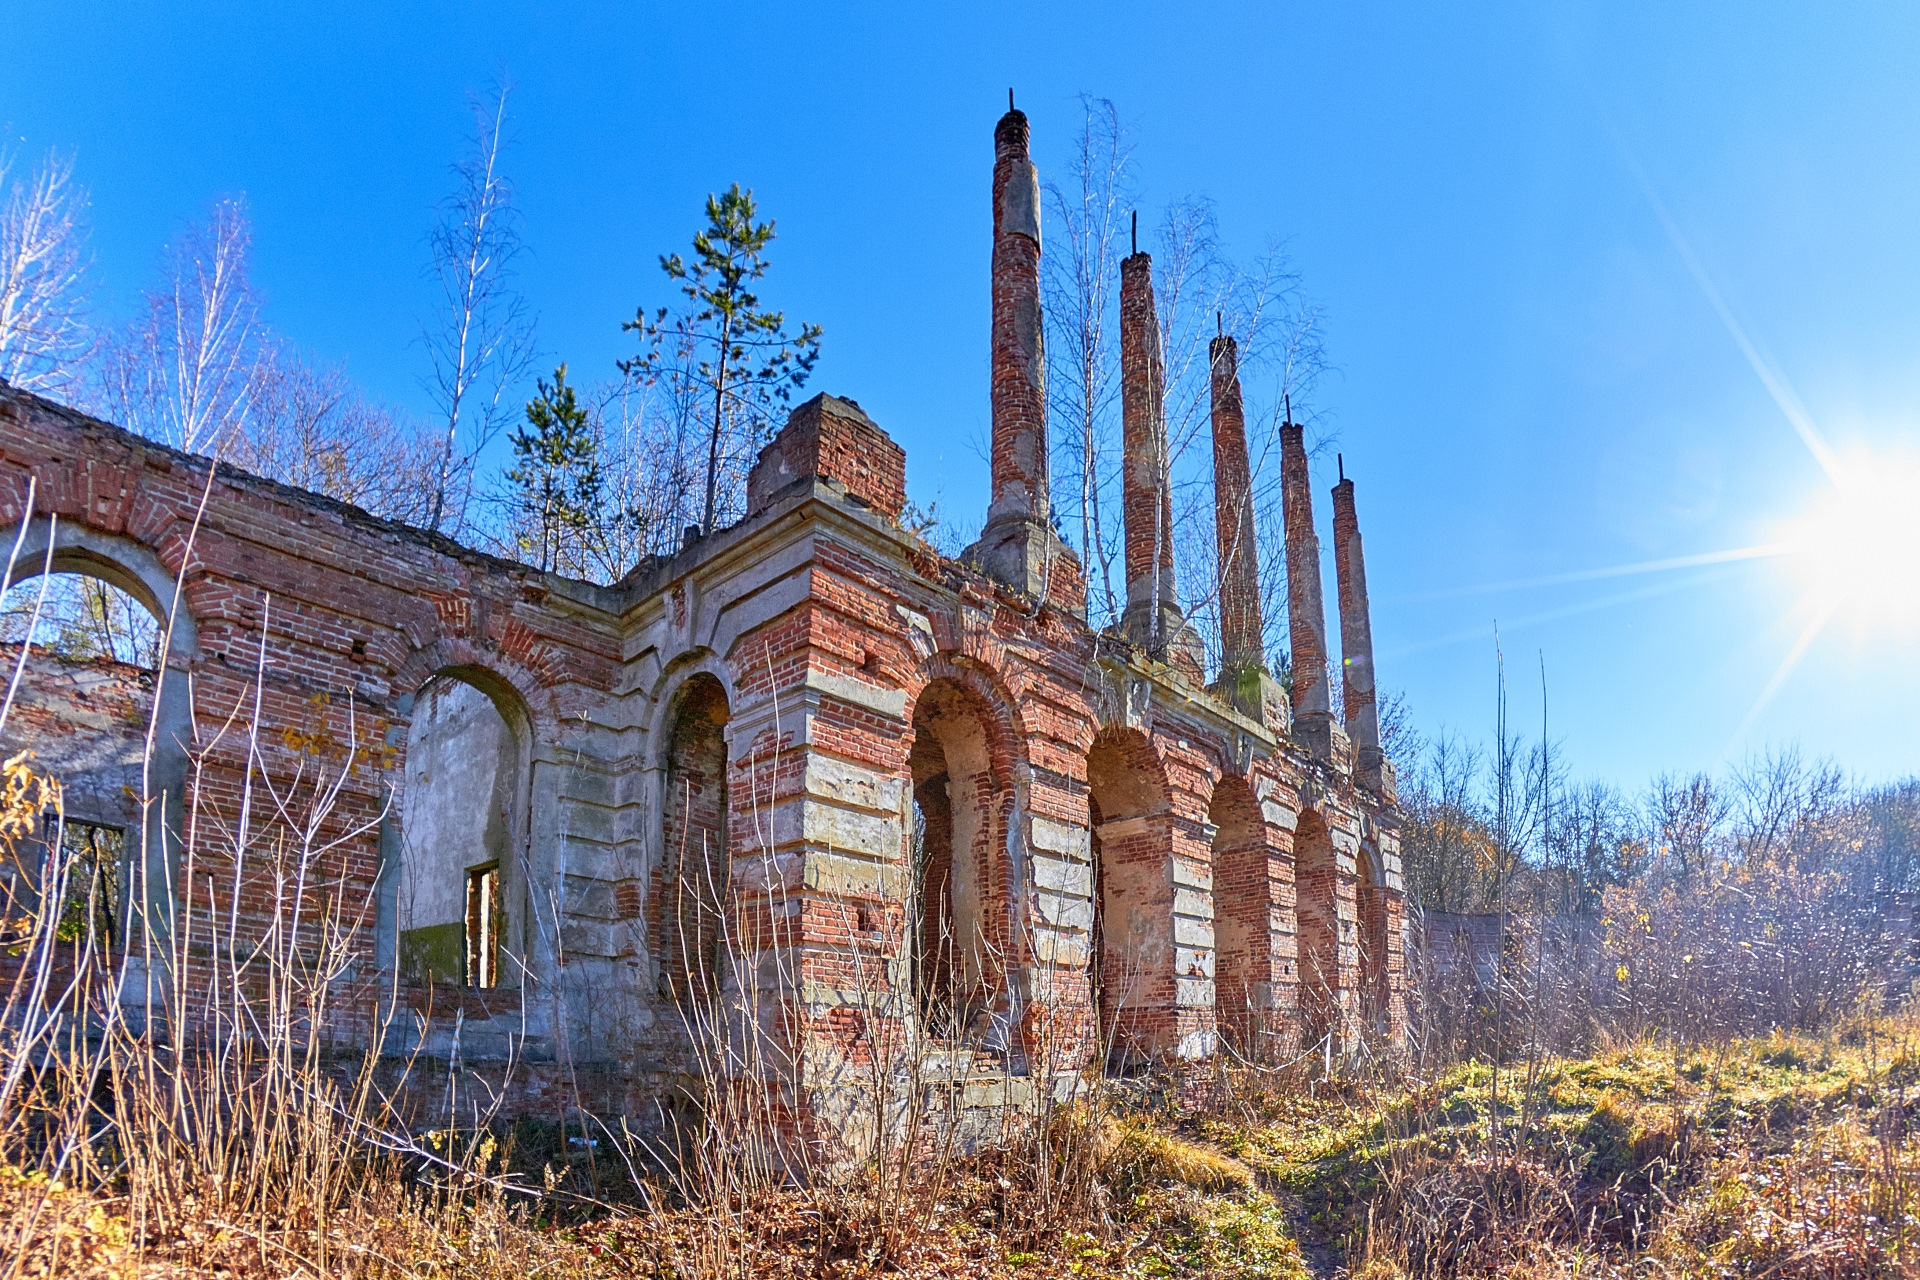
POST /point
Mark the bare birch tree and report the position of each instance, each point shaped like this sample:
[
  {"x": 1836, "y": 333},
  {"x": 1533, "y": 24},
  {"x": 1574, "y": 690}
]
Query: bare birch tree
[
  {"x": 309, "y": 426},
  {"x": 1202, "y": 292},
  {"x": 480, "y": 341},
  {"x": 1089, "y": 213},
  {"x": 45, "y": 340},
  {"x": 181, "y": 372},
  {"x": 650, "y": 438}
]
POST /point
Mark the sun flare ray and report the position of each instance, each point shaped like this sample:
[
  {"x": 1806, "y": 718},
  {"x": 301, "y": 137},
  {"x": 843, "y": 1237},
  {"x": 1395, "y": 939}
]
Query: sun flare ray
[
  {"x": 1800, "y": 646},
  {"x": 1760, "y": 552}
]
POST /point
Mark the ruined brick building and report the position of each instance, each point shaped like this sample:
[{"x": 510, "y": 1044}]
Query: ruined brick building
[{"x": 855, "y": 794}]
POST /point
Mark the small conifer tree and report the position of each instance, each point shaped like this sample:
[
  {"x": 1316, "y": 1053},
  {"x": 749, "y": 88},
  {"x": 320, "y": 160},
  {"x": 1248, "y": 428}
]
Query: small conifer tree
[
  {"x": 556, "y": 476},
  {"x": 738, "y": 355}
]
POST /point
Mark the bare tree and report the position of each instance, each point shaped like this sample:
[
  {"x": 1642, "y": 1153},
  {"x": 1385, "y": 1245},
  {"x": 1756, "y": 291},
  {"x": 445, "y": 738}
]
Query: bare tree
[
  {"x": 651, "y": 449},
  {"x": 1203, "y": 293},
  {"x": 45, "y": 340},
  {"x": 650, "y": 445},
  {"x": 480, "y": 340},
  {"x": 1783, "y": 808},
  {"x": 182, "y": 371},
  {"x": 1089, "y": 213},
  {"x": 309, "y": 426},
  {"x": 1200, "y": 292},
  {"x": 1446, "y": 847},
  {"x": 1687, "y": 820},
  {"x": 1590, "y": 845}
]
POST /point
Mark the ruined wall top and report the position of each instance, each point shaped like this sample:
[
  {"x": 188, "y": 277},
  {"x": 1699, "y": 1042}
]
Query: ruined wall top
[{"x": 835, "y": 440}]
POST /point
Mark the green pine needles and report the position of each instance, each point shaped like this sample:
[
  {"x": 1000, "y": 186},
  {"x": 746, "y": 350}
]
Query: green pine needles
[
  {"x": 556, "y": 474},
  {"x": 723, "y": 350}
]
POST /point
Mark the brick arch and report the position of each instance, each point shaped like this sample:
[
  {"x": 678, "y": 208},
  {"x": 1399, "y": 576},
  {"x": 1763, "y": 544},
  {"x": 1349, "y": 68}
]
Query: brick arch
[
  {"x": 525, "y": 708},
  {"x": 1376, "y": 962},
  {"x": 140, "y": 568},
  {"x": 1135, "y": 751},
  {"x": 1317, "y": 886},
  {"x": 132, "y": 564},
  {"x": 1131, "y": 816},
  {"x": 994, "y": 697},
  {"x": 963, "y": 765},
  {"x": 517, "y": 691},
  {"x": 688, "y": 886},
  {"x": 673, "y": 678}
]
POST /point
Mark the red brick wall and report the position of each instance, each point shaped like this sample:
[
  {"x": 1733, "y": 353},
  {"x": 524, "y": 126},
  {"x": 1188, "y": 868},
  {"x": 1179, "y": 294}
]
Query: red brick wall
[
  {"x": 826, "y": 653},
  {"x": 1242, "y": 627},
  {"x": 1018, "y": 362},
  {"x": 831, "y": 438}
]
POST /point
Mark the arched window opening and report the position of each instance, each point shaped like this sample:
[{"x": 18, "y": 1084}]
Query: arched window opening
[
  {"x": 1132, "y": 956},
  {"x": 457, "y": 899},
  {"x": 1375, "y": 994},
  {"x": 83, "y": 707},
  {"x": 82, "y": 619},
  {"x": 956, "y": 812},
  {"x": 690, "y": 892},
  {"x": 1317, "y": 881},
  {"x": 1243, "y": 919}
]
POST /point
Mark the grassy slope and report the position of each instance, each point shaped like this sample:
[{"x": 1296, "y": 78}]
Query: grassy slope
[{"x": 1780, "y": 1157}]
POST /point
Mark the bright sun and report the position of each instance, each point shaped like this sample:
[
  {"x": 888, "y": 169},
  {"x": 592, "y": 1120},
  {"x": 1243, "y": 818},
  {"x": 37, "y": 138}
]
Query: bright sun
[{"x": 1856, "y": 551}]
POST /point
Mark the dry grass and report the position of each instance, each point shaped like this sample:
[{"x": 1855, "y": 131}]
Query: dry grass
[
  {"x": 229, "y": 1144},
  {"x": 1784, "y": 1155},
  {"x": 205, "y": 1128}
]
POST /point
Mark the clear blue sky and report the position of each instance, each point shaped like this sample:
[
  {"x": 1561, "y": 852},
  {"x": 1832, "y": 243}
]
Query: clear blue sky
[{"x": 1531, "y": 380}]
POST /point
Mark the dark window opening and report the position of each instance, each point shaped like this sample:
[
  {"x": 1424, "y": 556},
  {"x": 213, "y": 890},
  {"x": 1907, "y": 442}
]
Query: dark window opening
[
  {"x": 958, "y": 924},
  {"x": 82, "y": 865},
  {"x": 486, "y": 924},
  {"x": 689, "y": 918}
]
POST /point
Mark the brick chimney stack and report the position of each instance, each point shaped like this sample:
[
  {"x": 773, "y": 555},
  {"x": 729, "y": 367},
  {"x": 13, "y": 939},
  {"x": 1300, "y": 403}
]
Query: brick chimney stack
[
  {"x": 1242, "y": 642},
  {"x": 1244, "y": 679},
  {"x": 1356, "y": 643},
  {"x": 1306, "y": 609},
  {"x": 1152, "y": 619},
  {"x": 1018, "y": 542}
]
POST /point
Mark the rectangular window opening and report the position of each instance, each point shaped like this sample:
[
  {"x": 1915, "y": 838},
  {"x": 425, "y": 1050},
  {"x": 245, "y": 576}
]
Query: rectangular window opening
[
  {"x": 486, "y": 925},
  {"x": 88, "y": 855}
]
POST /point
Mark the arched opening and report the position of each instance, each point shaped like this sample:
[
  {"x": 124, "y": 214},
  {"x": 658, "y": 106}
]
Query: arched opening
[
  {"x": 460, "y": 889},
  {"x": 1317, "y": 882},
  {"x": 95, "y": 704},
  {"x": 1243, "y": 918},
  {"x": 689, "y": 896},
  {"x": 1376, "y": 997},
  {"x": 954, "y": 947},
  {"x": 1132, "y": 953}
]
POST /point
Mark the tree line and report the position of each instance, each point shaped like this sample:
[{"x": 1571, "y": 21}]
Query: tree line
[
  {"x": 1779, "y": 892},
  {"x": 598, "y": 477}
]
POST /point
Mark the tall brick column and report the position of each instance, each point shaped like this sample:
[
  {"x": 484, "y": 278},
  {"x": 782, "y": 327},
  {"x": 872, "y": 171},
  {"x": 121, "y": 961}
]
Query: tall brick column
[
  {"x": 1306, "y": 609},
  {"x": 1152, "y": 619},
  {"x": 1356, "y": 641},
  {"x": 1244, "y": 678},
  {"x": 1018, "y": 543}
]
